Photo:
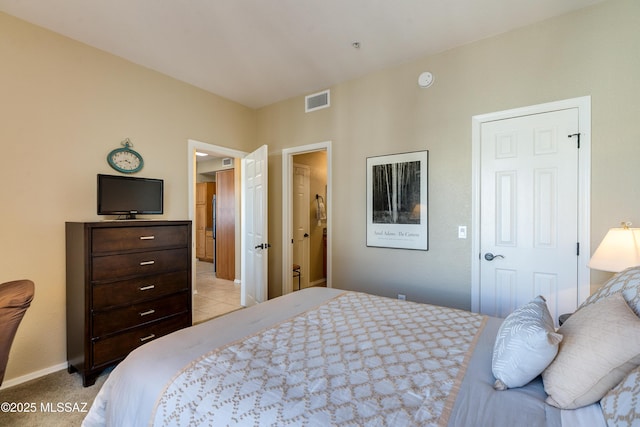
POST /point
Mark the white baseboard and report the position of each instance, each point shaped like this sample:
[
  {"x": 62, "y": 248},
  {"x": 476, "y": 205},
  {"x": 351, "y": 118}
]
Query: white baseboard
[{"x": 33, "y": 375}]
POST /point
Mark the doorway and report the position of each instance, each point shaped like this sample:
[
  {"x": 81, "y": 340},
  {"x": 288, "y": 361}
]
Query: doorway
[
  {"x": 212, "y": 296},
  {"x": 531, "y": 207},
  {"x": 313, "y": 263}
]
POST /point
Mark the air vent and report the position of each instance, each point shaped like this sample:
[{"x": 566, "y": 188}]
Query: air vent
[
  {"x": 227, "y": 161},
  {"x": 317, "y": 101}
]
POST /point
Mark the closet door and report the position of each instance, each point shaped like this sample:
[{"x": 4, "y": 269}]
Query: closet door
[{"x": 529, "y": 212}]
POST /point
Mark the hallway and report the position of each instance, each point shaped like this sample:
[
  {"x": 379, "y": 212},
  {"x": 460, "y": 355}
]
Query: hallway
[{"x": 214, "y": 297}]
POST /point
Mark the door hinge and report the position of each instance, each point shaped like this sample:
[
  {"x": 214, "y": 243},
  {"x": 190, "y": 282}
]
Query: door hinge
[
  {"x": 577, "y": 135},
  {"x": 578, "y": 249}
]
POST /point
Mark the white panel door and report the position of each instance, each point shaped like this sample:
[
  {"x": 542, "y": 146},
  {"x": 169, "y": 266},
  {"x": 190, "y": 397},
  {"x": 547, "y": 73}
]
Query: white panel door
[
  {"x": 301, "y": 243},
  {"x": 529, "y": 212},
  {"x": 254, "y": 288}
]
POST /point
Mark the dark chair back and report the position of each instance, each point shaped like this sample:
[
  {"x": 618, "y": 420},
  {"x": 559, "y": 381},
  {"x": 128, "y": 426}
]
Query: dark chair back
[{"x": 15, "y": 298}]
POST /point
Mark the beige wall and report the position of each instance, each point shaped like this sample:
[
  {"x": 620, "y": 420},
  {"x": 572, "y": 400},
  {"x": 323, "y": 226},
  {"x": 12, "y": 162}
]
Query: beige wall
[
  {"x": 63, "y": 107},
  {"x": 590, "y": 52}
]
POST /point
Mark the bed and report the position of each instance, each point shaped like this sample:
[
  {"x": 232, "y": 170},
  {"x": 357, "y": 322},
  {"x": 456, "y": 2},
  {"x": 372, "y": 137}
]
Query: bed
[{"x": 322, "y": 357}]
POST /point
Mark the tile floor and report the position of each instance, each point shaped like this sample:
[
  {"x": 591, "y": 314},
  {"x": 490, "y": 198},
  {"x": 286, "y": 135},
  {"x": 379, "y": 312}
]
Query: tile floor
[{"x": 214, "y": 297}]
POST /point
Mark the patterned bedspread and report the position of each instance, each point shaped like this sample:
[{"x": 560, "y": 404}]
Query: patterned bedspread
[{"x": 357, "y": 359}]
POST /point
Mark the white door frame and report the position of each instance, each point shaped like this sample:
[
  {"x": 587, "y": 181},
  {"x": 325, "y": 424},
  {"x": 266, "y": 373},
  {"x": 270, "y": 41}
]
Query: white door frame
[
  {"x": 583, "y": 104},
  {"x": 287, "y": 206},
  {"x": 192, "y": 147}
]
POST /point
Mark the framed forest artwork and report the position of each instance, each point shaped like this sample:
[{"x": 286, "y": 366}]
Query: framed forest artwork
[{"x": 397, "y": 201}]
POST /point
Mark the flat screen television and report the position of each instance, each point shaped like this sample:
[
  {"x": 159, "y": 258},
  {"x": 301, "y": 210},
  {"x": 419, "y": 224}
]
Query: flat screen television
[{"x": 129, "y": 196}]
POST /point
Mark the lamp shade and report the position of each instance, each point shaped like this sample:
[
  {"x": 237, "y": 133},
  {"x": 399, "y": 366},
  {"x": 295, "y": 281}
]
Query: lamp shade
[{"x": 620, "y": 249}]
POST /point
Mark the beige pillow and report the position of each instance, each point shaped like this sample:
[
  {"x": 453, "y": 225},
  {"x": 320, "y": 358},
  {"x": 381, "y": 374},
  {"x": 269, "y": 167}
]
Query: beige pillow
[{"x": 600, "y": 346}]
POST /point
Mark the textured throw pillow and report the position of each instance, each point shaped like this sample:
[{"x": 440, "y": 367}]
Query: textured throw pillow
[
  {"x": 526, "y": 343},
  {"x": 600, "y": 346},
  {"x": 627, "y": 283},
  {"x": 621, "y": 406}
]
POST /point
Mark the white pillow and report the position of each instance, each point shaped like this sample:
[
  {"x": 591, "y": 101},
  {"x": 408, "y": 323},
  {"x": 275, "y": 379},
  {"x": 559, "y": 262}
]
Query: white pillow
[
  {"x": 526, "y": 343},
  {"x": 600, "y": 346},
  {"x": 621, "y": 406}
]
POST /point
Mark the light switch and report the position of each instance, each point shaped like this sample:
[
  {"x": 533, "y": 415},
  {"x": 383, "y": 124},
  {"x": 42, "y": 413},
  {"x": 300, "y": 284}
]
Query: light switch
[{"x": 462, "y": 232}]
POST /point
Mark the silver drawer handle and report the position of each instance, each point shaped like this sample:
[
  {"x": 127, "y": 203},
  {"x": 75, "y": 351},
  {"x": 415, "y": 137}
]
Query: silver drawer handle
[
  {"x": 147, "y": 288},
  {"x": 146, "y": 313},
  {"x": 147, "y": 262},
  {"x": 147, "y": 338},
  {"x": 147, "y": 237}
]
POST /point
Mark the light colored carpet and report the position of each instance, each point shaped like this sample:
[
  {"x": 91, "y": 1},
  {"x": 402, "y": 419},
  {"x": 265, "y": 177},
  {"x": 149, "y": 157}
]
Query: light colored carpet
[{"x": 54, "y": 400}]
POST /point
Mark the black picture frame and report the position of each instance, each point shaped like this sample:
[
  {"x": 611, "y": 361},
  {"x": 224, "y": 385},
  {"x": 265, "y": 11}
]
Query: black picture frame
[{"x": 397, "y": 201}]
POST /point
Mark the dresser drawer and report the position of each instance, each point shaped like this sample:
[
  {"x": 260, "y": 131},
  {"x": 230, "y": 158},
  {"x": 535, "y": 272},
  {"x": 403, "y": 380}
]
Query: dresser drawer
[
  {"x": 135, "y": 238},
  {"x": 112, "y": 294},
  {"x": 115, "y": 320},
  {"x": 112, "y": 267},
  {"x": 113, "y": 349}
]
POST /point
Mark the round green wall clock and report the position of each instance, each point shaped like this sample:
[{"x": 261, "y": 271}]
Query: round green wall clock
[{"x": 125, "y": 159}]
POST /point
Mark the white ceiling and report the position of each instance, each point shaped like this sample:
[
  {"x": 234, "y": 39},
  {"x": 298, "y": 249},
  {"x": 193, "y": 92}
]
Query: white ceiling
[{"x": 258, "y": 52}]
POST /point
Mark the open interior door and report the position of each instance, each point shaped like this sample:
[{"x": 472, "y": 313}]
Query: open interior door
[{"x": 255, "y": 246}]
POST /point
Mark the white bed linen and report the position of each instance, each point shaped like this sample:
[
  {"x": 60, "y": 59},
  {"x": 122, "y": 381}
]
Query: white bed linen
[
  {"x": 123, "y": 402},
  {"x": 358, "y": 359},
  {"x": 479, "y": 404},
  {"x": 587, "y": 416}
]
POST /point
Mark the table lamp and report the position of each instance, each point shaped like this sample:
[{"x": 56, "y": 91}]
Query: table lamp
[{"x": 620, "y": 249}]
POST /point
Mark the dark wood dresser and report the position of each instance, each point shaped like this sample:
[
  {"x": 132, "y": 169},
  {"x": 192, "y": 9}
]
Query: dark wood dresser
[{"x": 128, "y": 282}]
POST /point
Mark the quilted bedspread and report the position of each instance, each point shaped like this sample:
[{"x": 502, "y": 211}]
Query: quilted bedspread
[{"x": 358, "y": 359}]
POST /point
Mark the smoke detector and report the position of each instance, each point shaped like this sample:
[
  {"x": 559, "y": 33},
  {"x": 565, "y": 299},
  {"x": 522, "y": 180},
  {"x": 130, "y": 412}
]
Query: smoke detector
[{"x": 425, "y": 79}]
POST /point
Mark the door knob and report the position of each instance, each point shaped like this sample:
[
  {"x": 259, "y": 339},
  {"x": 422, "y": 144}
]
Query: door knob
[
  {"x": 306, "y": 234},
  {"x": 490, "y": 257}
]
